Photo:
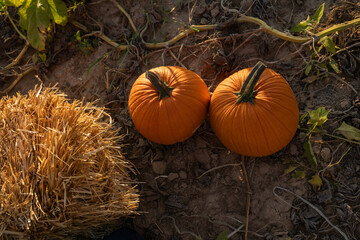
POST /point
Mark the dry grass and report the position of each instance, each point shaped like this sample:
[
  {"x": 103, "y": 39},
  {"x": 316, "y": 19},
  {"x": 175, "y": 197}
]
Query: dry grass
[{"x": 62, "y": 171}]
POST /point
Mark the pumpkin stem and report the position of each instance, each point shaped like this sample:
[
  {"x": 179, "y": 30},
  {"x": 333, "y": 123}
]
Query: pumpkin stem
[
  {"x": 247, "y": 93},
  {"x": 161, "y": 87}
]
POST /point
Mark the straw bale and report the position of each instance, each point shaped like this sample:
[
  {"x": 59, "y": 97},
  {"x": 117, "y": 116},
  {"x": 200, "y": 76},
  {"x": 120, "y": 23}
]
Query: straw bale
[{"x": 62, "y": 171}]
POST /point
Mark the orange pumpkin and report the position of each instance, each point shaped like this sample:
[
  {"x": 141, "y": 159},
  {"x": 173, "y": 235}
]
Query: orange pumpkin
[
  {"x": 167, "y": 104},
  {"x": 254, "y": 112}
]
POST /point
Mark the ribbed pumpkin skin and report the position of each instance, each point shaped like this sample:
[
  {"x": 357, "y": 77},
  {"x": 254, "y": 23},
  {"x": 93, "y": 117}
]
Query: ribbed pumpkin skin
[
  {"x": 172, "y": 119},
  {"x": 258, "y": 129}
]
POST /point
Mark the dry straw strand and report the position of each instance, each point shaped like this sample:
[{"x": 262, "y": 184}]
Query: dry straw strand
[{"x": 62, "y": 170}]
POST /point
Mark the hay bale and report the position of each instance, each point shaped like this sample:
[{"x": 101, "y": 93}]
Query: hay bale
[{"x": 62, "y": 171}]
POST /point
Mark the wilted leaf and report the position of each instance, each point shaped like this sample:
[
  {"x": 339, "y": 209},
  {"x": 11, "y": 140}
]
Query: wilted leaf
[
  {"x": 290, "y": 169},
  {"x": 318, "y": 117},
  {"x": 309, "y": 154},
  {"x": 330, "y": 45},
  {"x": 350, "y": 132},
  {"x": 310, "y": 79},
  {"x": 334, "y": 65},
  {"x": 222, "y": 236},
  {"x": 15, "y": 3},
  {"x": 308, "y": 68},
  {"x": 299, "y": 174},
  {"x": 36, "y": 16},
  {"x": 319, "y": 13},
  {"x": 316, "y": 181}
]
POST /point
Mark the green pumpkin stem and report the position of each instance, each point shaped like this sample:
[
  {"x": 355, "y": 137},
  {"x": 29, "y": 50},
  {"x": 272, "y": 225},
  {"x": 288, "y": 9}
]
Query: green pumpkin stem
[
  {"x": 161, "y": 87},
  {"x": 247, "y": 93}
]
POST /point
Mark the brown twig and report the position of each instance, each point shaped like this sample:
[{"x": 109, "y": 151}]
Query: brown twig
[
  {"x": 248, "y": 196},
  {"x": 18, "y": 58},
  {"x": 18, "y": 78}
]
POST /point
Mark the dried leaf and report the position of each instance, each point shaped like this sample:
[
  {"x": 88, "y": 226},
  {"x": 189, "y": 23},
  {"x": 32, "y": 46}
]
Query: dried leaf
[
  {"x": 310, "y": 79},
  {"x": 350, "y": 132}
]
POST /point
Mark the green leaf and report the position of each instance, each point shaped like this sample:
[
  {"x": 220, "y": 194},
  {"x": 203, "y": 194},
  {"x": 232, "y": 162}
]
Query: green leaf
[
  {"x": 290, "y": 169},
  {"x": 308, "y": 68},
  {"x": 319, "y": 13},
  {"x": 15, "y": 3},
  {"x": 222, "y": 236},
  {"x": 316, "y": 181},
  {"x": 300, "y": 27},
  {"x": 36, "y": 17},
  {"x": 318, "y": 117},
  {"x": 350, "y": 132},
  {"x": 330, "y": 45},
  {"x": 334, "y": 65},
  {"x": 299, "y": 174},
  {"x": 303, "y": 117},
  {"x": 309, "y": 154}
]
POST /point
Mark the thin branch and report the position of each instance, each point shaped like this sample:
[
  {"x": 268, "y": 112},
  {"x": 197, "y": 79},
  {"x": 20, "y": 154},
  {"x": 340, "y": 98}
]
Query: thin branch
[
  {"x": 18, "y": 78},
  {"x": 18, "y": 58},
  {"x": 313, "y": 207},
  {"x": 248, "y": 196},
  {"x": 126, "y": 14}
]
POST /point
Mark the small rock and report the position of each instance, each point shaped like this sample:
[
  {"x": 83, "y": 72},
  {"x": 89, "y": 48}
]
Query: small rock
[
  {"x": 183, "y": 174},
  {"x": 325, "y": 154},
  {"x": 172, "y": 176},
  {"x": 316, "y": 149},
  {"x": 203, "y": 21},
  {"x": 293, "y": 150},
  {"x": 204, "y": 158},
  {"x": 214, "y": 12},
  {"x": 159, "y": 167},
  {"x": 345, "y": 104},
  {"x": 183, "y": 185}
]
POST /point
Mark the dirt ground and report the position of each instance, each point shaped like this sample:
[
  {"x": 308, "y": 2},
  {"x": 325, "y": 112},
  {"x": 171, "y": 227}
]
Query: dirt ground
[{"x": 195, "y": 189}]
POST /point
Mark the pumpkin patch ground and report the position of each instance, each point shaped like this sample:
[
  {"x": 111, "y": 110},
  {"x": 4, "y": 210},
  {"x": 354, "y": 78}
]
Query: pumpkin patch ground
[{"x": 195, "y": 189}]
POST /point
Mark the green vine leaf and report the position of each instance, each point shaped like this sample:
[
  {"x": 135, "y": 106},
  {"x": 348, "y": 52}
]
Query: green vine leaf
[
  {"x": 316, "y": 181},
  {"x": 319, "y": 13},
  {"x": 36, "y": 17},
  {"x": 334, "y": 65},
  {"x": 222, "y": 236},
  {"x": 299, "y": 174},
  {"x": 318, "y": 117},
  {"x": 309, "y": 154},
  {"x": 15, "y": 3},
  {"x": 350, "y": 132}
]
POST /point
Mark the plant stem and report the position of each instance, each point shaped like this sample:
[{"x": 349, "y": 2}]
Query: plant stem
[
  {"x": 18, "y": 78},
  {"x": 15, "y": 27},
  {"x": 161, "y": 87},
  {"x": 126, "y": 14},
  {"x": 18, "y": 58},
  {"x": 263, "y": 27},
  {"x": 246, "y": 93},
  {"x": 330, "y": 135},
  {"x": 248, "y": 196}
]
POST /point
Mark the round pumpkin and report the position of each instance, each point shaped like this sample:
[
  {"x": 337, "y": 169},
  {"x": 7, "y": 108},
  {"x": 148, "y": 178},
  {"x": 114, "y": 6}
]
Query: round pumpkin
[
  {"x": 167, "y": 104},
  {"x": 254, "y": 112}
]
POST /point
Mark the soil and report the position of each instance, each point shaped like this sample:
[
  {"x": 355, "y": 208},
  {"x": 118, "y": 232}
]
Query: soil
[{"x": 195, "y": 189}]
